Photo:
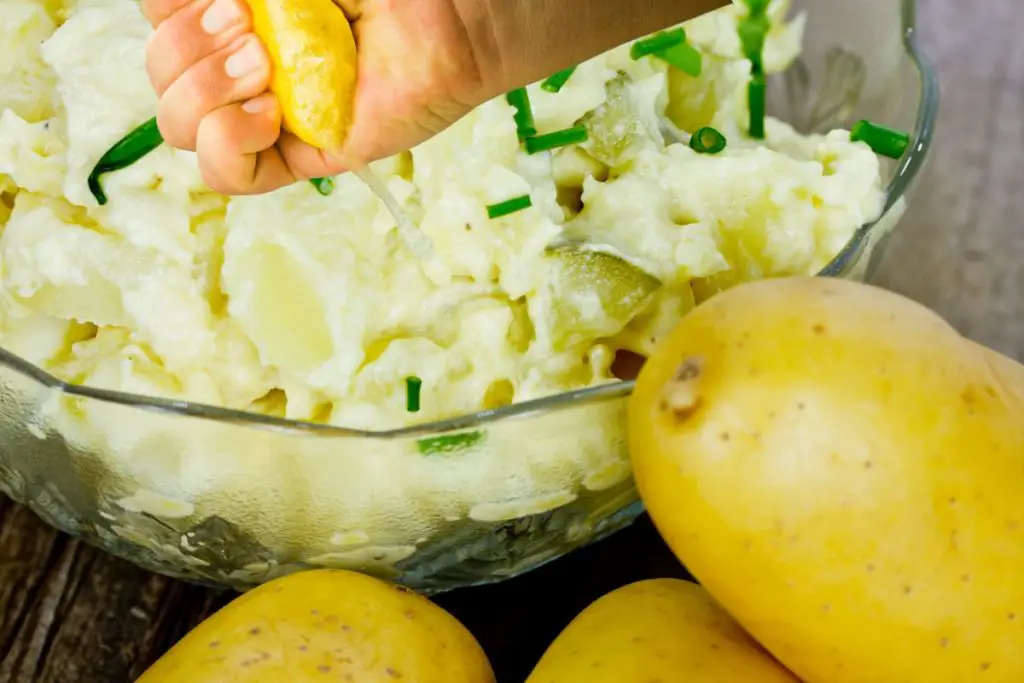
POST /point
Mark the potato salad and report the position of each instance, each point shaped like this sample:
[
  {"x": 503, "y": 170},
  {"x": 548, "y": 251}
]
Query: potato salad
[{"x": 548, "y": 258}]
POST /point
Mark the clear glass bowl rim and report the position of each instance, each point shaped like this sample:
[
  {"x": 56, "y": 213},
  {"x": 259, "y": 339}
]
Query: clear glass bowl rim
[{"x": 905, "y": 174}]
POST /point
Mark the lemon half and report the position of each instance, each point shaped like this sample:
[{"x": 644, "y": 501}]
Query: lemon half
[{"x": 313, "y": 53}]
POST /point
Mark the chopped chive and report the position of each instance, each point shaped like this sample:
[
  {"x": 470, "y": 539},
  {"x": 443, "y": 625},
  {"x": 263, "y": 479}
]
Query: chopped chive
[
  {"x": 509, "y": 206},
  {"x": 657, "y": 43},
  {"x": 520, "y": 100},
  {"x": 757, "y": 7},
  {"x": 561, "y": 138},
  {"x": 449, "y": 443},
  {"x": 413, "y": 385},
  {"x": 885, "y": 141},
  {"x": 753, "y": 31},
  {"x": 707, "y": 140},
  {"x": 684, "y": 57},
  {"x": 756, "y": 92},
  {"x": 324, "y": 186},
  {"x": 129, "y": 149},
  {"x": 554, "y": 83}
]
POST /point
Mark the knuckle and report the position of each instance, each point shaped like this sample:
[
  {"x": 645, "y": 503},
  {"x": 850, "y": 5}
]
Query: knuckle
[{"x": 177, "y": 131}]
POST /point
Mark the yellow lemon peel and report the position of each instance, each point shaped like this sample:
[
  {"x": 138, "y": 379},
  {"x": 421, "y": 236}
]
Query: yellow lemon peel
[{"x": 313, "y": 53}]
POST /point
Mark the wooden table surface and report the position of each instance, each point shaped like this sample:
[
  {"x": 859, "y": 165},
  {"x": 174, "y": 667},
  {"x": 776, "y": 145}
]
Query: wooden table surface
[{"x": 71, "y": 614}]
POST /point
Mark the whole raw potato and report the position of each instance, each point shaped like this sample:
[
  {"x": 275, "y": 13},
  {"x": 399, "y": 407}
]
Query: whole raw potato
[
  {"x": 322, "y": 626},
  {"x": 662, "y": 630},
  {"x": 845, "y": 474}
]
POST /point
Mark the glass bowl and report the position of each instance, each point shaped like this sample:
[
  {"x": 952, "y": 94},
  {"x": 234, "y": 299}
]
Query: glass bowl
[{"x": 233, "y": 499}]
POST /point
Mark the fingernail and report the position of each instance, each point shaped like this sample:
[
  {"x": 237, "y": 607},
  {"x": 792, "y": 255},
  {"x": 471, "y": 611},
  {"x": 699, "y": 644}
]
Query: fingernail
[
  {"x": 245, "y": 61},
  {"x": 219, "y": 16},
  {"x": 258, "y": 104}
]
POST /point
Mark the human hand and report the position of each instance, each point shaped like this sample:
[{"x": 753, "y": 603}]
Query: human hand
[
  {"x": 422, "y": 64},
  {"x": 416, "y": 75}
]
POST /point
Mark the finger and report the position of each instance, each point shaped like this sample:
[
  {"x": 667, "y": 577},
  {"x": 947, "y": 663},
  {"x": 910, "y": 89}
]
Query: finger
[
  {"x": 192, "y": 34},
  {"x": 237, "y": 73},
  {"x": 237, "y": 154},
  {"x": 235, "y": 147},
  {"x": 157, "y": 11}
]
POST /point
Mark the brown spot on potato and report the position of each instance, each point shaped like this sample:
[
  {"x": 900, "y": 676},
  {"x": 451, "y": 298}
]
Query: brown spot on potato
[
  {"x": 966, "y": 578},
  {"x": 392, "y": 673},
  {"x": 944, "y": 643},
  {"x": 819, "y": 329},
  {"x": 907, "y": 590},
  {"x": 680, "y": 397},
  {"x": 985, "y": 666},
  {"x": 867, "y": 464},
  {"x": 324, "y": 669},
  {"x": 215, "y": 643},
  {"x": 689, "y": 370},
  {"x": 303, "y": 648},
  {"x": 255, "y": 631},
  {"x": 724, "y": 436},
  {"x": 801, "y": 406},
  {"x": 1012, "y": 616},
  {"x": 870, "y": 567}
]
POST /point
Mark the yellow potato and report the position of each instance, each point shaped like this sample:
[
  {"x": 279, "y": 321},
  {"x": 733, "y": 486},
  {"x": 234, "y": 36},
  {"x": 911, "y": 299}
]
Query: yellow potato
[
  {"x": 313, "y": 53},
  {"x": 845, "y": 474},
  {"x": 663, "y": 630},
  {"x": 326, "y": 625}
]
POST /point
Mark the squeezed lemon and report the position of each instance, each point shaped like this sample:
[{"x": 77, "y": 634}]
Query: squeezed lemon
[{"x": 313, "y": 53}]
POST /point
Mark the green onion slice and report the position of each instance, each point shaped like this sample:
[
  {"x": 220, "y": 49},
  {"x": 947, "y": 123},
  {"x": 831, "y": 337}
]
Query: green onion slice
[
  {"x": 449, "y": 443},
  {"x": 753, "y": 31},
  {"x": 707, "y": 140},
  {"x": 757, "y": 7},
  {"x": 129, "y": 149},
  {"x": 562, "y": 138},
  {"x": 413, "y": 386},
  {"x": 756, "y": 93},
  {"x": 884, "y": 141},
  {"x": 554, "y": 83},
  {"x": 657, "y": 43},
  {"x": 520, "y": 100},
  {"x": 324, "y": 186},
  {"x": 684, "y": 57},
  {"x": 509, "y": 206}
]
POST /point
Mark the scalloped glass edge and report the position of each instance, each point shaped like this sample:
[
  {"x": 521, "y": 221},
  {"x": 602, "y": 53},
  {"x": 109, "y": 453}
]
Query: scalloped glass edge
[{"x": 907, "y": 171}]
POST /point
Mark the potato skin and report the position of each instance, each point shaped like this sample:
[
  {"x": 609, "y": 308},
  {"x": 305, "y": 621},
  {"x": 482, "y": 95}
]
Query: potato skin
[
  {"x": 326, "y": 625},
  {"x": 662, "y": 630},
  {"x": 845, "y": 474}
]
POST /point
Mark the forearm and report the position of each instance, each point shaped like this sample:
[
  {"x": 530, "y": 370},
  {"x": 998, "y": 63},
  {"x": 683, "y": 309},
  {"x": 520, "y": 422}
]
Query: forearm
[{"x": 516, "y": 42}]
